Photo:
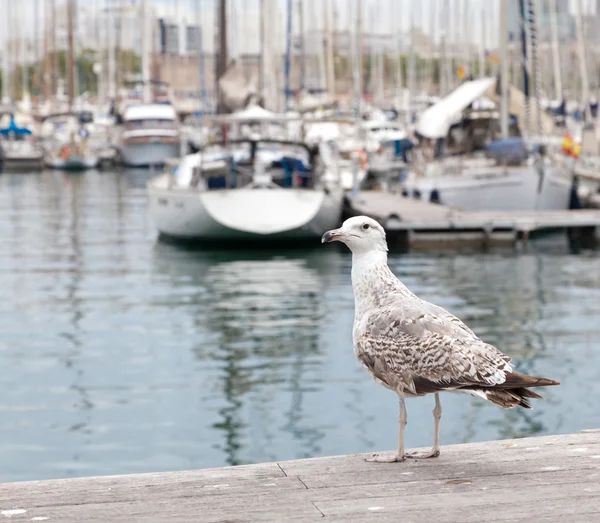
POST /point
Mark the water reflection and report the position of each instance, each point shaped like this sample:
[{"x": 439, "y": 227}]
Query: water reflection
[
  {"x": 262, "y": 310},
  {"x": 122, "y": 354}
]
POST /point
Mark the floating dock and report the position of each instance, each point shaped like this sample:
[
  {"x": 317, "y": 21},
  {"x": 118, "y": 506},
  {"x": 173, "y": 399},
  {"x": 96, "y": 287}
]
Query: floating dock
[
  {"x": 417, "y": 223},
  {"x": 544, "y": 479}
]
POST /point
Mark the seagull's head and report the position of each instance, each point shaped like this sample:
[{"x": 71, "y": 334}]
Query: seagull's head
[{"x": 360, "y": 234}]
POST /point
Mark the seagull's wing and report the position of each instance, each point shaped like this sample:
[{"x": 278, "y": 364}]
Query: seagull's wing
[{"x": 419, "y": 348}]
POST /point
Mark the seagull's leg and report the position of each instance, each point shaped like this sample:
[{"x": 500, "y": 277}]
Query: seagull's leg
[
  {"x": 435, "y": 451},
  {"x": 399, "y": 456}
]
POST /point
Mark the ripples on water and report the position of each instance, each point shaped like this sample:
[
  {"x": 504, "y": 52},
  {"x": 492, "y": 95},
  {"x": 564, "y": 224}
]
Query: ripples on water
[{"x": 122, "y": 354}]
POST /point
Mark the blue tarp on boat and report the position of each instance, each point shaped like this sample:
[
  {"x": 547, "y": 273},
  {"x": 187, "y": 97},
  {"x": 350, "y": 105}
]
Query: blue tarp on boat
[
  {"x": 14, "y": 129},
  {"x": 509, "y": 151}
]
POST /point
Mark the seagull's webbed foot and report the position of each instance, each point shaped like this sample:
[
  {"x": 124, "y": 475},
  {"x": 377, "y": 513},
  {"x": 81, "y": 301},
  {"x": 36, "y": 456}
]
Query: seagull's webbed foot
[
  {"x": 386, "y": 458},
  {"x": 433, "y": 453}
]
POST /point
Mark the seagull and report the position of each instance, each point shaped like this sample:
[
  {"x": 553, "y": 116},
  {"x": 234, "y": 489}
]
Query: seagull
[{"x": 414, "y": 347}]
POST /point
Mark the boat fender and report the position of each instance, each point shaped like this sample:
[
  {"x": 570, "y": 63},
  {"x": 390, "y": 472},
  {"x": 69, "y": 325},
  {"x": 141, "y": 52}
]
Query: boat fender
[
  {"x": 363, "y": 160},
  {"x": 362, "y": 156},
  {"x": 434, "y": 196},
  {"x": 574, "y": 200},
  {"x": 416, "y": 194}
]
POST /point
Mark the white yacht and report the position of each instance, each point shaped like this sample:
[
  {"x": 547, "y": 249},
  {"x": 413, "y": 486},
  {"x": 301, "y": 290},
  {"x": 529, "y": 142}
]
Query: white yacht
[
  {"x": 249, "y": 190},
  {"x": 150, "y": 135}
]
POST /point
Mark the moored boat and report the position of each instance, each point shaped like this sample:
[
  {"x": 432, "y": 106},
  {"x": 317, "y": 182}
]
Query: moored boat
[
  {"x": 150, "y": 135},
  {"x": 248, "y": 190}
]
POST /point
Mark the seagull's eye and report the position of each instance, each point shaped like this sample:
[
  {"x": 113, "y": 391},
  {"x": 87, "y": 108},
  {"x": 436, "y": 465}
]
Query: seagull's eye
[{"x": 365, "y": 226}]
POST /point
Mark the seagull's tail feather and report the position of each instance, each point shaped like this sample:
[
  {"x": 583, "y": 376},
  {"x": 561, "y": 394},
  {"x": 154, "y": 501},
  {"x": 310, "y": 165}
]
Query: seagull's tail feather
[
  {"x": 516, "y": 380},
  {"x": 507, "y": 399},
  {"x": 513, "y": 392}
]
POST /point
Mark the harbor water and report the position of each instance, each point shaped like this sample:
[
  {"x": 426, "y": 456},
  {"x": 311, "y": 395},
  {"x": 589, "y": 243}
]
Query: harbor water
[{"x": 123, "y": 354}]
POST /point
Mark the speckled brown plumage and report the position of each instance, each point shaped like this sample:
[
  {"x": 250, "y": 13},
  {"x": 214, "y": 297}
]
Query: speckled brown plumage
[{"x": 414, "y": 347}]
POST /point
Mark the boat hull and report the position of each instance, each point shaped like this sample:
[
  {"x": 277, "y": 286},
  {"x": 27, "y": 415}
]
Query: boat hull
[
  {"x": 256, "y": 215},
  {"x": 147, "y": 154},
  {"x": 75, "y": 163},
  {"x": 518, "y": 189},
  {"x": 22, "y": 163}
]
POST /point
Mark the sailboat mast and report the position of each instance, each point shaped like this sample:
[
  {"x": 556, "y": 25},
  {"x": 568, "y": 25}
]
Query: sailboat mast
[
  {"x": 443, "y": 61},
  {"x": 555, "y": 51},
  {"x": 288, "y": 52},
  {"x": 302, "y": 48},
  {"x": 200, "y": 49},
  {"x": 359, "y": 55},
  {"x": 110, "y": 50},
  {"x": 55, "y": 67},
  {"x": 504, "y": 68},
  {"x": 147, "y": 96},
  {"x": 330, "y": 51},
  {"x": 222, "y": 56},
  {"x": 398, "y": 51},
  {"x": 71, "y": 53},
  {"x": 582, "y": 60},
  {"x": 7, "y": 80},
  {"x": 36, "y": 50},
  {"x": 482, "y": 43},
  {"x": 24, "y": 65},
  {"x": 16, "y": 40}
]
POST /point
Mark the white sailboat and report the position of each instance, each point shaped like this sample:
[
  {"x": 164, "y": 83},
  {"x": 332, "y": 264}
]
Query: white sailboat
[
  {"x": 249, "y": 189},
  {"x": 66, "y": 141},
  {"x": 19, "y": 148},
  {"x": 506, "y": 177}
]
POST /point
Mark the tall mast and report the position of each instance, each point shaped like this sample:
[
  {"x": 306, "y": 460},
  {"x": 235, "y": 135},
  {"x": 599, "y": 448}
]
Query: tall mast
[
  {"x": 70, "y": 54},
  {"x": 70, "y": 65},
  {"x": 504, "y": 68},
  {"x": 555, "y": 51},
  {"x": 330, "y": 52},
  {"x": 443, "y": 62},
  {"x": 359, "y": 67},
  {"x": 7, "y": 81},
  {"x": 430, "y": 47},
  {"x": 288, "y": 52},
  {"x": 199, "y": 43},
  {"x": 221, "y": 62},
  {"x": 146, "y": 53},
  {"x": 582, "y": 60},
  {"x": 23, "y": 61},
  {"x": 36, "y": 49},
  {"x": 47, "y": 73},
  {"x": 110, "y": 50},
  {"x": 397, "y": 49},
  {"x": 55, "y": 67},
  {"x": 411, "y": 84},
  {"x": 482, "y": 43},
  {"x": 302, "y": 49},
  {"x": 261, "y": 49},
  {"x": 17, "y": 71}
]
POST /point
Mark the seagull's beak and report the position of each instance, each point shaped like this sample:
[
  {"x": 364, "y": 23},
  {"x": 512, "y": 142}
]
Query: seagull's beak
[{"x": 335, "y": 235}]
